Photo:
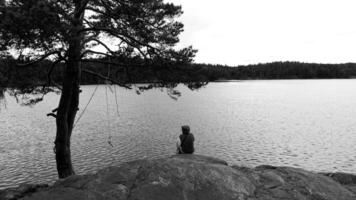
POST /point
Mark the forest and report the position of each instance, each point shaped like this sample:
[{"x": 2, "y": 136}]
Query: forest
[{"x": 12, "y": 75}]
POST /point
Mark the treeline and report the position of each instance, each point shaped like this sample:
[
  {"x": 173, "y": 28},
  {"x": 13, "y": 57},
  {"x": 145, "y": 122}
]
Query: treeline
[
  {"x": 295, "y": 70},
  {"x": 12, "y": 75}
]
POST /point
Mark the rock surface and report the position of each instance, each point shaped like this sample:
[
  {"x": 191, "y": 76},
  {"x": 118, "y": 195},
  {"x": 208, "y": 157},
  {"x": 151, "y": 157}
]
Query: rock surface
[{"x": 193, "y": 177}]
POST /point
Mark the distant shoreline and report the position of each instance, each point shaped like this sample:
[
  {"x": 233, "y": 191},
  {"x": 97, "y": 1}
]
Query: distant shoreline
[
  {"x": 13, "y": 76},
  {"x": 215, "y": 81}
]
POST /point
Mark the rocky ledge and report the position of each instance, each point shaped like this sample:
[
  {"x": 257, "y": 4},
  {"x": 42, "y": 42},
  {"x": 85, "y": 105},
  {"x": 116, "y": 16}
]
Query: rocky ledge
[{"x": 186, "y": 177}]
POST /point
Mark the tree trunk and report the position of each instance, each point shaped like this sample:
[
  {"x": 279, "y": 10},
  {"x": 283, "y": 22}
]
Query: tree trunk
[
  {"x": 67, "y": 109},
  {"x": 68, "y": 104}
]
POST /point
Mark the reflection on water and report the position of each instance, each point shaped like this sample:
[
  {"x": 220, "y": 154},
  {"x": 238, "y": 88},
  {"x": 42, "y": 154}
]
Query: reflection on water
[
  {"x": 2, "y": 98},
  {"x": 300, "y": 123}
]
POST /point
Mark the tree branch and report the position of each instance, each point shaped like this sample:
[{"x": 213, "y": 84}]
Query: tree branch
[
  {"x": 101, "y": 43},
  {"x": 112, "y": 55},
  {"x": 82, "y": 8},
  {"x": 110, "y": 63},
  {"x": 51, "y": 115},
  {"x": 40, "y": 59},
  {"x": 109, "y": 15},
  {"x": 99, "y": 12},
  {"x": 124, "y": 37},
  {"x": 98, "y": 61},
  {"x": 49, "y": 79},
  {"x": 95, "y": 52},
  {"x": 106, "y": 78}
]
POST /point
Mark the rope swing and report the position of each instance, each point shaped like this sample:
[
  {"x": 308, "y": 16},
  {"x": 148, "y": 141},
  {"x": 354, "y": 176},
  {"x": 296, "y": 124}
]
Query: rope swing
[
  {"x": 107, "y": 86},
  {"x": 86, "y": 106}
]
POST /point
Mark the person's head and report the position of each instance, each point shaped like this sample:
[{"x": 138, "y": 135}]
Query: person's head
[{"x": 185, "y": 130}]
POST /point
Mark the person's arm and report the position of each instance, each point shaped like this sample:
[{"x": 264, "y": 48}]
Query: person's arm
[{"x": 178, "y": 145}]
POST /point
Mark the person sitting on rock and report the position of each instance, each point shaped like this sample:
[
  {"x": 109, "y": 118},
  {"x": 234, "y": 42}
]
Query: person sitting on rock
[{"x": 185, "y": 143}]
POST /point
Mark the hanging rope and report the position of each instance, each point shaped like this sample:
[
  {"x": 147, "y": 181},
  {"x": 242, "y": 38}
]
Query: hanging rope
[
  {"x": 86, "y": 106},
  {"x": 107, "y": 106},
  {"x": 117, "y": 104},
  {"x": 107, "y": 117}
]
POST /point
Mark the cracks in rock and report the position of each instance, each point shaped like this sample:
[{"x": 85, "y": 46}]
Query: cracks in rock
[{"x": 133, "y": 184}]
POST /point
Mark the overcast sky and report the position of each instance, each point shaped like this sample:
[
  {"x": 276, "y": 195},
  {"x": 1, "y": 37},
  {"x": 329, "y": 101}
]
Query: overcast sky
[{"x": 238, "y": 32}]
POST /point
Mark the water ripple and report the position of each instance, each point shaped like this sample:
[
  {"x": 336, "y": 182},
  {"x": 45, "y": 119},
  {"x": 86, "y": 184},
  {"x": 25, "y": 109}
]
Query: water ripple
[{"x": 304, "y": 124}]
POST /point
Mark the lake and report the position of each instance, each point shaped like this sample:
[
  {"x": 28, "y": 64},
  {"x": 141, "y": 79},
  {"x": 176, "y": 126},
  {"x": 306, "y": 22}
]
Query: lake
[{"x": 301, "y": 123}]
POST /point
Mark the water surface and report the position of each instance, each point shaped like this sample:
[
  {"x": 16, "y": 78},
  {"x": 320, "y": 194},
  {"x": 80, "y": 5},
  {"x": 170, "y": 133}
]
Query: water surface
[{"x": 301, "y": 123}]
